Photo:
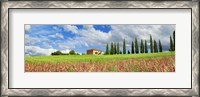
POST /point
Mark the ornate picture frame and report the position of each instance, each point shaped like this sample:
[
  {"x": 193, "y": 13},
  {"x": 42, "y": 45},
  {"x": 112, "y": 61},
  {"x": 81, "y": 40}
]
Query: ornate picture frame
[{"x": 7, "y": 5}]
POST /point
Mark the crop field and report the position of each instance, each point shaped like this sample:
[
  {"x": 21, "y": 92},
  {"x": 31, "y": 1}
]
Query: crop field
[{"x": 151, "y": 62}]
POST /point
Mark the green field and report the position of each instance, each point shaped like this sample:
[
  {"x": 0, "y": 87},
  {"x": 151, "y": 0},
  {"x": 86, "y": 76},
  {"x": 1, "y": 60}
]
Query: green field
[{"x": 88, "y": 58}]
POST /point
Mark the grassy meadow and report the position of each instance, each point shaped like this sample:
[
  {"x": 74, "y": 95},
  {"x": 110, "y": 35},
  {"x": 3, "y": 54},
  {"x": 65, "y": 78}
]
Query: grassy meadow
[{"x": 150, "y": 62}]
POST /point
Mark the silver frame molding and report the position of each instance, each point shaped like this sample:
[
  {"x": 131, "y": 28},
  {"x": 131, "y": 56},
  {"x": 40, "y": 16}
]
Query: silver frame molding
[{"x": 5, "y": 5}]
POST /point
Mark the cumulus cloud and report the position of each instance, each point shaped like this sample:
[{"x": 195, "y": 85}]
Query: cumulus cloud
[
  {"x": 88, "y": 36},
  {"x": 71, "y": 28},
  {"x": 46, "y": 45},
  {"x": 63, "y": 44},
  {"x": 38, "y": 51},
  {"x": 57, "y": 35},
  {"x": 27, "y": 28},
  {"x": 35, "y": 50},
  {"x": 31, "y": 40},
  {"x": 65, "y": 51}
]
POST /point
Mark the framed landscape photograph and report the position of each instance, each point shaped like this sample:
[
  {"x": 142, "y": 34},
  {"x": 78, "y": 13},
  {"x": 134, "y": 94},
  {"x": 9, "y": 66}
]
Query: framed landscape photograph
[{"x": 101, "y": 48}]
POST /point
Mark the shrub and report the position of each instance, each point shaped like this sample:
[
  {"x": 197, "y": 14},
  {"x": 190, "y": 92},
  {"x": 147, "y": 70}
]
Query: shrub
[
  {"x": 57, "y": 53},
  {"x": 72, "y": 52}
]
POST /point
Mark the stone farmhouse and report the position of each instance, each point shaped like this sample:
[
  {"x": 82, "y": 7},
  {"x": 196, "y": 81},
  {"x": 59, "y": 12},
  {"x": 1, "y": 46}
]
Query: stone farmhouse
[{"x": 94, "y": 51}]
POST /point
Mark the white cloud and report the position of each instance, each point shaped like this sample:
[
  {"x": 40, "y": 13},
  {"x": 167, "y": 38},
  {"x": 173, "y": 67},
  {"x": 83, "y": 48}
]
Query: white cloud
[
  {"x": 57, "y": 35},
  {"x": 88, "y": 36},
  {"x": 72, "y": 28},
  {"x": 56, "y": 28},
  {"x": 38, "y": 51},
  {"x": 27, "y": 28},
  {"x": 86, "y": 44},
  {"x": 65, "y": 51},
  {"x": 35, "y": 50},
  {"x": 88, "y": 27},
  {"x": 31, "y": 40},
  {"x": 63, "y": 46},
  {"x": 46, "y": 45}
]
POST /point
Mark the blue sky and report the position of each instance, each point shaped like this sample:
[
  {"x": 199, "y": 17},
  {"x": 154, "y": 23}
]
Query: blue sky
[{"x": 45, "y": 39}]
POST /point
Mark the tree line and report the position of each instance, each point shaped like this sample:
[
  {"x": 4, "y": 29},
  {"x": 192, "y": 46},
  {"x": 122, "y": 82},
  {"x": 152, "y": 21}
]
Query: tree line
[
  {"x": 135, "y": 49},
  {"x": 71, "y": 52}
]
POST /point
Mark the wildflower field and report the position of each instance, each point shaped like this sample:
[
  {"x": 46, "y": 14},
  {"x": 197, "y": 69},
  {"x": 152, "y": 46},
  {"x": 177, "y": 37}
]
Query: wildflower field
[{"x": 150, "y": 62}]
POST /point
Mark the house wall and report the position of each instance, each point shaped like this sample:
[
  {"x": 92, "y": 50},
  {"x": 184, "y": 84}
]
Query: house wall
[
  {"x": 93, "y": 52},
  {"x": 96, "y": 52},
  {"x": 89, "y": 52}
]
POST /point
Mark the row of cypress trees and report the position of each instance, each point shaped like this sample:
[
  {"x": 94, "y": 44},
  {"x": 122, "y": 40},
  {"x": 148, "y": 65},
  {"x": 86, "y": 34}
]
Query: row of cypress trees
[
  {"x": 153, "y": 46},
  {"x": 115, "y": 49}
]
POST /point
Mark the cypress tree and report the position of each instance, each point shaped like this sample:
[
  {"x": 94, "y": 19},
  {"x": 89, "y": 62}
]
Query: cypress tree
[
  {"x": 132, "y": 48},
  {"x": 174, "y": 40},
  {"x": 111, "y": 48},
  {"x": 146, "y": 49},
  {"x": 124, "y": 46},
  {"x": 151, "y": 44},
  {"x": 107, "y": 49},
  {"x": 136, "y": 46},
  {"x": 141, "y": 47},
  {"x": 171, "y": 44},
  {"x": 160, "y": 46},
  {"x": 115, "y": 49},
  {"x": 118, "y": 50},
  {"x": 155, "y": 47}
]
